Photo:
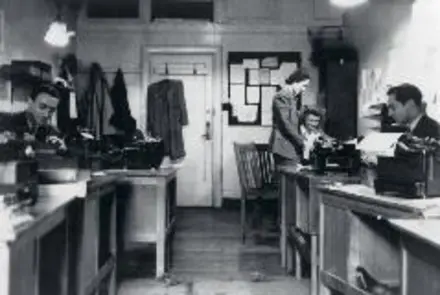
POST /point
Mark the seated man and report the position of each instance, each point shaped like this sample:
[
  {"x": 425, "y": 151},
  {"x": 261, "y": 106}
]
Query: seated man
[
  {"x": 34, "y": 124},
  {"x": 405, "y": 106}
]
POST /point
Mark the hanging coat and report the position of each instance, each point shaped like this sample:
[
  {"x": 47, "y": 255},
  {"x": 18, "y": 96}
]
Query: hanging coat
[
  {"x": 121, "y": 118},
  {"x": 167, "y": 114},
  {"x": 98, "y": 104}
]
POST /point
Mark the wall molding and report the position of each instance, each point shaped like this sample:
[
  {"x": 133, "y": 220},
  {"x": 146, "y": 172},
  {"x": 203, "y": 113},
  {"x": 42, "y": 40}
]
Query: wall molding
[{"x": 176, "y": 27}]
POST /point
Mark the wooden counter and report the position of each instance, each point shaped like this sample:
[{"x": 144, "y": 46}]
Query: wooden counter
[
  {"x": 34, "y": 259},
  {"x": 300, "y": 198},
  {"x": 354, "y": 232},
  {"x": 92, "y": 241},
  {"x": 420, "y": 256},
  {"x": 60, "y": 251},
  {"x": 147, "y": 202}
]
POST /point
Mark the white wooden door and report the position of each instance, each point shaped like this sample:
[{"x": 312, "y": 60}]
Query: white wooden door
[{"x": 194, "y": 178}]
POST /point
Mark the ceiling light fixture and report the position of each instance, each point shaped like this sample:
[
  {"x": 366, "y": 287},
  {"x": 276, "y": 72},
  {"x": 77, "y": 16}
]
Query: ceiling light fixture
[
  {"x": 347, "y": 3},
  {"x": 57, "y": 34}
]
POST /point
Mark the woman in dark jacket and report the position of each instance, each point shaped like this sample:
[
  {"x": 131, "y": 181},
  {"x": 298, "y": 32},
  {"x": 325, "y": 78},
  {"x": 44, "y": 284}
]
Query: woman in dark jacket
[{"x": 285, "y": 141}]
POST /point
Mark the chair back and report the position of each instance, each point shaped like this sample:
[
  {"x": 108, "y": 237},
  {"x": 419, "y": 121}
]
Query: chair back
[{"x": 255, "y": 165}]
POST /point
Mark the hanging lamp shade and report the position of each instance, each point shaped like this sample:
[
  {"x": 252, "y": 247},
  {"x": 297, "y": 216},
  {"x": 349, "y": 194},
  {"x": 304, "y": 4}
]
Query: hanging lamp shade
[
  {"x": 57, "y": 34},
  {"x": 347, "y": 3}
]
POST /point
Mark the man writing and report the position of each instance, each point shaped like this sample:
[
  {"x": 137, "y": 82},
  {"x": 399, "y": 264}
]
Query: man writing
[
  {"x": 406, "y": 108},
  {"x": 33, "y": 124}
]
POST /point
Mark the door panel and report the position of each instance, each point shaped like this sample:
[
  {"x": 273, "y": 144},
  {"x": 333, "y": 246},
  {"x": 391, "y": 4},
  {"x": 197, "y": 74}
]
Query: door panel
[{"x": 194, "y": 179}]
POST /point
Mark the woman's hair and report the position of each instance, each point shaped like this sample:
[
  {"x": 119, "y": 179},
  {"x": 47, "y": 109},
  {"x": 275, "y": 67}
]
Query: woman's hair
[
  {"x": 298, "y": 75},
  {"x": 307, "y": 110}
]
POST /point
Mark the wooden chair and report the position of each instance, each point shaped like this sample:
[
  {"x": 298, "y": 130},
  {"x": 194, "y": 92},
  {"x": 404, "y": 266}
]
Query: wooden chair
[{"x": 256, "y": 168}]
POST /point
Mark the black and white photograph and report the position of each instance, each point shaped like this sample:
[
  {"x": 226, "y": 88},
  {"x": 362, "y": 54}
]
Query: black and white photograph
[{"x": 219, "y": 147}]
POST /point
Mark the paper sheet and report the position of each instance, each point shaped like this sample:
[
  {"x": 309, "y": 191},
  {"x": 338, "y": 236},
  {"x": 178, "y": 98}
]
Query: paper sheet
[
  {"x": 247, "y": 114},
  {"x": 270, "y": 62},
  {"x": 287, "y": 68},
  {"x": 264, "y": 76},
  {"x": 237, "y": 96},
  {"x": 251, "y": 63},
  {"x": 253, "y": 95},
  {"x": 254, "y": 77},
  {"x": 237, "y": 73},
  {"x": 382, "y": 144},
  {"x": 275, "y": 77},
  {"x": 267, "y": 94}
]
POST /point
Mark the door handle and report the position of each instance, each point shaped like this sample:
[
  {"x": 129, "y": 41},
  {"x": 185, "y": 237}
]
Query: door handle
[{"x": 207, "y": 135}]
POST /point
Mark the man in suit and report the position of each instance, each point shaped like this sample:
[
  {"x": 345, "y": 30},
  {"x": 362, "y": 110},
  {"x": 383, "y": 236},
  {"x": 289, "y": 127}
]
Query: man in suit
[
  {"x": 33, "y": 124},
  {"x": 285, "y": 141},
  {"x": 405, "y": 106}
]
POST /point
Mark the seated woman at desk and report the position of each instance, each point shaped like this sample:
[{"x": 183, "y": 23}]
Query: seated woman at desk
[{"x": 311, "y": 129}]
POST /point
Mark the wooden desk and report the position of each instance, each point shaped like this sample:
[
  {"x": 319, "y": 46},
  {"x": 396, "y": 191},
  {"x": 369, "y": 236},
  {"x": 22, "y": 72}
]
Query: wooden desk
[
  {"x": 148, "y": 203},
  {"x": 92, "y": 240},
  {"x": 420, "y": 256},
  {"x": 300, "y": 199},
  {"x": 354, "y": 232},
  {"x": 35, "y": 260}
]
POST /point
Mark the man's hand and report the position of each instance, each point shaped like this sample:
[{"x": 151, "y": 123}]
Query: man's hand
[
  {"x": 7, "y": 136},
  {"x": 57, "y": 141}
]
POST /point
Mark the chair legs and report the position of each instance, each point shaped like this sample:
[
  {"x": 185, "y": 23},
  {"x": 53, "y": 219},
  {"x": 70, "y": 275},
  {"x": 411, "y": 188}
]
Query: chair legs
[{"x": 243, "y": 219}]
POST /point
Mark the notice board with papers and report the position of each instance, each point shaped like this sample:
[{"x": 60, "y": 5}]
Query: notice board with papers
[{"x": 253, "y": 79}]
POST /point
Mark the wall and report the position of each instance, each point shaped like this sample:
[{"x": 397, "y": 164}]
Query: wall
[
  {"x": 240, "y": 25},
  {"x": 398, "y": 42},
  {"x": 26, "y": 22}
]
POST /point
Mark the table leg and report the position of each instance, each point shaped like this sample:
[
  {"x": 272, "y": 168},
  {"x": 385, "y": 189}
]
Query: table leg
[
  {"x": 298, "y": 267},
  {"x": 160, "y": 229},
  {"x": 314, "y": 266},
  {"x": 283, "y": 238}
]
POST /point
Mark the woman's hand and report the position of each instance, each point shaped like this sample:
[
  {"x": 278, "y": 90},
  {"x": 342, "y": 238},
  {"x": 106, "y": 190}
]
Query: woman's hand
[{"x": 28, "y": 137}]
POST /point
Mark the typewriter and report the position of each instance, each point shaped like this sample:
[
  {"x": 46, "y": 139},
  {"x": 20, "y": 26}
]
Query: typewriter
[
  {"x": 138, "y": 152},
  {"x": 413, "y": 172},
  {"x": 335, "y": 156}
]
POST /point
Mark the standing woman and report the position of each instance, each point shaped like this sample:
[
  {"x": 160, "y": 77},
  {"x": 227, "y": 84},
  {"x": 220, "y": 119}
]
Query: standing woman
[{"x": 286, "y": 141}]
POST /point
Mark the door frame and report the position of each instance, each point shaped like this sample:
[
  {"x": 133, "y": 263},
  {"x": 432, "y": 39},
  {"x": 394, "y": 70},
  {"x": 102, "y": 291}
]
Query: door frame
[{"x": 216, "y": 55}]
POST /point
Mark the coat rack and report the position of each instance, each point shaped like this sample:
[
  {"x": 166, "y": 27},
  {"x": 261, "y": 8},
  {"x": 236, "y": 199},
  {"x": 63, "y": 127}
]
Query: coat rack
[{"x": 166, "y": 72}]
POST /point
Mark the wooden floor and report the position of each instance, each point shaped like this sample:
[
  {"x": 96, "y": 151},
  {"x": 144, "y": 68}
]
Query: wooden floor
[{"x": 209, "y": 258}]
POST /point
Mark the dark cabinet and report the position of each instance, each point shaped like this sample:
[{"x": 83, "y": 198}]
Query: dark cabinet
[{"x": 338, "y": 85}]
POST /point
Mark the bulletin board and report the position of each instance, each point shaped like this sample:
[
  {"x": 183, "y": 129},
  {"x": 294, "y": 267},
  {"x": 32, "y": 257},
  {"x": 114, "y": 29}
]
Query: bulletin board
[{"x": 253, "y": 79}]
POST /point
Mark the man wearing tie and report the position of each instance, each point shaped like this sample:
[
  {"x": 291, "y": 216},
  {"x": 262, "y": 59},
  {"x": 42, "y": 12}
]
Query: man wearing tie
[{"x": 405, "y": 106}]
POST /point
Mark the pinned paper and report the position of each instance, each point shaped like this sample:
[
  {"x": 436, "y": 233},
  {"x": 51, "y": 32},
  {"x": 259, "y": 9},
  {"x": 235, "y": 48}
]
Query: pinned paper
[
  {"x": 270, "y": 62},
  {"x": 287, "y": 68},
  {"x": 251, "y": 63},
  {"x": 247, "y": 114},
  {"x": 267, "y": 94},
  {"x": 253, "y": 95},
  {"x": 254, "y": 77},
  {"x": 275, "y": 77},
  {"x": 264, "y": 76},
  {"x": 237, "y": 95},
  {"x": 237, "y": 73}
]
